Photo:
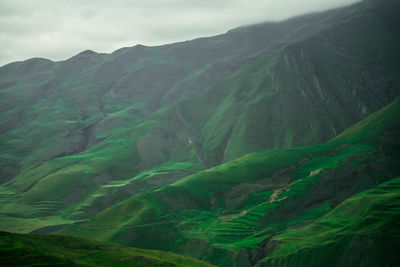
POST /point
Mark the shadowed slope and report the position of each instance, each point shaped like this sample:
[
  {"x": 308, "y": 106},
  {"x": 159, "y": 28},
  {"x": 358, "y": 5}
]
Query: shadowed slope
[
  {"x": 230, "y": 212},
  {"x": 36, "y": 250},
  {"x": 362, "y": 231}
]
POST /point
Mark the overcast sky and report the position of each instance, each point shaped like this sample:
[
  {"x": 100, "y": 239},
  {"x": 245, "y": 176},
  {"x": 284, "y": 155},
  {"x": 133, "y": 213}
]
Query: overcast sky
[{"x": 60, "y": 29}]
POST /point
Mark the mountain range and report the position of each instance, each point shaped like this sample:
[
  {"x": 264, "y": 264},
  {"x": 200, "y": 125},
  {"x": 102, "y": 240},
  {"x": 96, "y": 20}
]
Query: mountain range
[{"x": 273, "y": 144}]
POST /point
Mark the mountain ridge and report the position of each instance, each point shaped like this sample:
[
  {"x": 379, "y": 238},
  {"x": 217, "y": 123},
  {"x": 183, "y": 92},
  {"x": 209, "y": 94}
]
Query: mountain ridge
[
  {"x": 92, "y": 103},
  {"x": 226, "y": 134}
]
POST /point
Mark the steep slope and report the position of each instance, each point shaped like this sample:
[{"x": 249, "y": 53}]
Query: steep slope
[
  {"x": 84, "y": 134},
  {"x": 234, "y": 213},
  {"x": 36, "y": 250},
  {"x": 312, "y": 89},
  {"x": 362, "y": 231}
]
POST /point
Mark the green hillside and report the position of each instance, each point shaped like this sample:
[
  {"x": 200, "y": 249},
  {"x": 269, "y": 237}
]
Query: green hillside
[
  {"x": 37, "y": 250},
  {"x": 364, "y": 230},
  {"x": 233, "y": 213},
  {"x": 81, "y": 135},
  {"x": 250, "y": 147}
]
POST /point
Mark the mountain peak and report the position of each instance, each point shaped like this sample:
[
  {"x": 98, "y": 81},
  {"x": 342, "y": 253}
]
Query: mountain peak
[{"x": 87, "y": 53}]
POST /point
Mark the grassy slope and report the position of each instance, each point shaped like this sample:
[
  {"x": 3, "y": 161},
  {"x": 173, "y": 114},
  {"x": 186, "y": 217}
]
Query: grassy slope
[
  {"x": 364, "y": 230},
  {"x": 321, "y": 75},
  {"x": 87, "y": 133},
  {"x": 228, "y": 213},
  {"x": 40, "y": 207},
  {"x": 37, "y": 250}
]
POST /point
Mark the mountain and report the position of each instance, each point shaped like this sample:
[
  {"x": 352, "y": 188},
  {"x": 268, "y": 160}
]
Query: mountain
[
  {"x": 215, "y": 148},
  {"x": 236, "y": 213}
]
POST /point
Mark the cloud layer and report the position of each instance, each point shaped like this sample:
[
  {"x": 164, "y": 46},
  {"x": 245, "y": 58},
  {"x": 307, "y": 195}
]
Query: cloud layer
[{"x": 60, "y": 29}]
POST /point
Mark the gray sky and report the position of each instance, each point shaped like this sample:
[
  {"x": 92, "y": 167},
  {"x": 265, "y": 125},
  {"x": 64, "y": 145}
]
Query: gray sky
[{"x": 59, "y": 29}]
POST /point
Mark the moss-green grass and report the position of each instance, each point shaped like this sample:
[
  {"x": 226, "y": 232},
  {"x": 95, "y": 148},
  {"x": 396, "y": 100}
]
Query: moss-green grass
[
  {"x": 363, "y": 231},
  {"x": 241, "y": 203},
  {"x": 97, "y": 140},
  {"x": 37, "y": 250}
]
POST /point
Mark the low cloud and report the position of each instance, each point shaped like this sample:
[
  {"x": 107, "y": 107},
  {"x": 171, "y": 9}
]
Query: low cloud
[{"x": 60, "y": 29}]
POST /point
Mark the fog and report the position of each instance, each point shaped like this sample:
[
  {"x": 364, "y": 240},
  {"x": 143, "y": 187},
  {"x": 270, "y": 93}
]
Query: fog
[{"x": 60, "y": 29}]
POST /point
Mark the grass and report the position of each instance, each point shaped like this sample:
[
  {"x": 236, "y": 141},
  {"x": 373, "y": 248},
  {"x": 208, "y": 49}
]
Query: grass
[
  {"x": 259, "y": 196},
  {"x": 363, "y": 229},
  {"x": 164, "y": 169},
  {"x": 29, "y": 250},
  {"x": 114, "y": 145}
]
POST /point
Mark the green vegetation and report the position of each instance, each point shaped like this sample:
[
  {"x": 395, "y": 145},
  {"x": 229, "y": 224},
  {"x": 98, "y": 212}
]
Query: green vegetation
[
  {"x": 217, "y": 148},
  {"x": 37, "y": 250},
  {"x": 361, "y": 231},
  {"x": 238, "y": 205}
]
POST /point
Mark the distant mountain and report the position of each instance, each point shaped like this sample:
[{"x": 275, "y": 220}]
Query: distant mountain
[{"x": 128, "y": 146}]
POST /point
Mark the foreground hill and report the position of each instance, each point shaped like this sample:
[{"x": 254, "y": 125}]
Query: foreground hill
[
  {"x": 250, "y": 210},
  {"x": 36, "y": 250},
  {"x": 81, "y": 135}
]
